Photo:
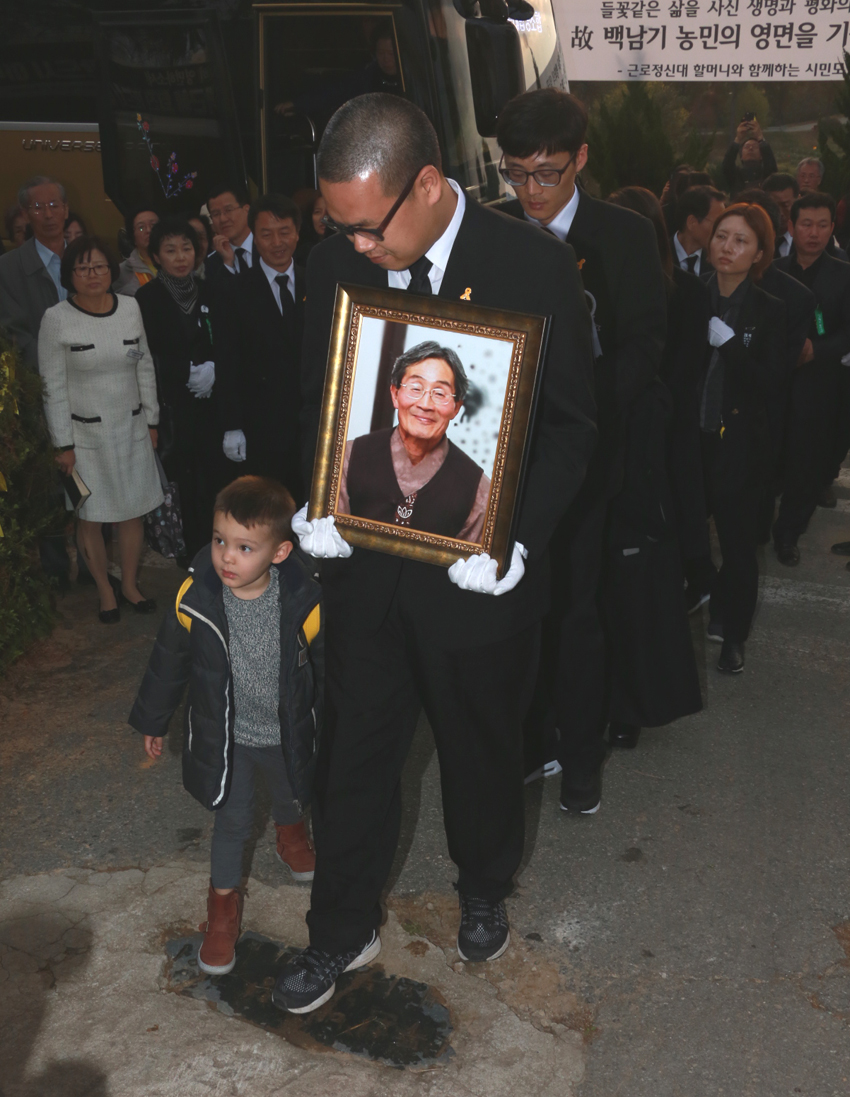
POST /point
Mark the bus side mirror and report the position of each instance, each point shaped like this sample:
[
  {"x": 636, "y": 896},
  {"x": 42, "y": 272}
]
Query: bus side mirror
[{"x": 496, "y": 69}]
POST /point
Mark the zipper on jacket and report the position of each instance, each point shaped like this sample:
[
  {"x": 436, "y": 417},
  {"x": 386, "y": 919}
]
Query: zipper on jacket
[{"x": 194, "y": 613}]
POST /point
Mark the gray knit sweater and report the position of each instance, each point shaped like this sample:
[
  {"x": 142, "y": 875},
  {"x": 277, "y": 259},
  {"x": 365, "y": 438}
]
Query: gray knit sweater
[{"x": 254, "y": 626}]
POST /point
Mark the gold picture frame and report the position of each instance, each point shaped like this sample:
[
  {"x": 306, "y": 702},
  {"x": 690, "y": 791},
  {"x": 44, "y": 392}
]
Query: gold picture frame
[{"x": 508, "y": 348}]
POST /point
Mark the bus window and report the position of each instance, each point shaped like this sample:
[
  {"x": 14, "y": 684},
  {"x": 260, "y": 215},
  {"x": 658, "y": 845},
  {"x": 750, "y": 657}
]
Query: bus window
[{"x": 312, "y": 63}]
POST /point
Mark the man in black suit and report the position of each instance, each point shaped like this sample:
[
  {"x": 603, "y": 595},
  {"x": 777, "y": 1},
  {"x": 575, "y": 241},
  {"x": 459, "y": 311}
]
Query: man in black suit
[
  {"x": 259, "y": 324},
  {"x": 233, "y": 240},
  {"x": 401, "y": 634},
  {"x": 816, "y": 440},
  {"x": 697, "y": 209},
  {"x": 542, "y": 137}
]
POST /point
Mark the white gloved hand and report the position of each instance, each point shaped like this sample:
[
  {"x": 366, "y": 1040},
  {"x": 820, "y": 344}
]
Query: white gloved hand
[
  {"x": 478, "y": 573},
  {"x": 201, "y": 379},
  {"x": 320, "y": 538},
  {"x": 234, "y": 445},
  {"x": 718, "y": 332}
]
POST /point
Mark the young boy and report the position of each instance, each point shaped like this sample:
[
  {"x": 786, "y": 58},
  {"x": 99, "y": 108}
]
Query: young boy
[{"x": 246, "y": 634}]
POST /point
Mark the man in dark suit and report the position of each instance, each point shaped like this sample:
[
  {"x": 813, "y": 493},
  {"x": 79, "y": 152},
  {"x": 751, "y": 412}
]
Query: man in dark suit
[
  {"x": 29, "y": 275},
  {"x": 542, "y": 137},
  {"x": 258, "y": 329},
  {"x": 233, "y": 240},
  {"x": 816, "y": 440},
  {"x": 697, "y": 209},
  {"x": 402, "y": 634}
]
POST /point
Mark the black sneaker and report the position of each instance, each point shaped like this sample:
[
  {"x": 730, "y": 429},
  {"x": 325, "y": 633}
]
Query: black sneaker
[
  {"x": 731, "y": 659},
  {"x": 484, "y": 933},
  {"x": 309, "y": 979},
  {"x": 581, "y": 791}
]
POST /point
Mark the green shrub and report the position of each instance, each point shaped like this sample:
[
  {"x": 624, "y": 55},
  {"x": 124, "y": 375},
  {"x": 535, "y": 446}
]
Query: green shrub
[
  {"x": 29, "y": 509},
  {"x": 628, "y": 141},
  {"x": 834, "y": 140}
]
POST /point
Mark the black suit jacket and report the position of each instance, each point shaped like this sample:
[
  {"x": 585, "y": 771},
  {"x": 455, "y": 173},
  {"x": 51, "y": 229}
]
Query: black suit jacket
[
  {"x": 705, "y": 267},
  {"x": 505, "y": 265},
  {"x": 831, "y": 288},
  {"x": 799, "y": 305},
  {"x": 257, "y": 361},
  {"x": 216, "y": 274},
  {"x": 621, "y": 271},
  {"x": 754, "y": 390}
]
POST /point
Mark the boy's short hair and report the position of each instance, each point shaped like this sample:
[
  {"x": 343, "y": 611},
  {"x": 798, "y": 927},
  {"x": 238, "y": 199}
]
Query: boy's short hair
[{"x": 258, "y": 501}]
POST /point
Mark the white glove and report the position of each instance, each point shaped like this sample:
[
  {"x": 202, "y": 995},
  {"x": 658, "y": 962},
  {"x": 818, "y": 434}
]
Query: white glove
[
  {"x": 201, "y": 379},
  {"x": 478, "y": 573},
  {"x": 320, "y": 538},
  {"x": 234, "y": 445},
  {"x": 718, "y": 332}
]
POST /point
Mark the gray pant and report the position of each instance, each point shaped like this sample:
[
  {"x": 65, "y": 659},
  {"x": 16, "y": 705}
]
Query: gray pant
[{"x": 234, "y": 821}]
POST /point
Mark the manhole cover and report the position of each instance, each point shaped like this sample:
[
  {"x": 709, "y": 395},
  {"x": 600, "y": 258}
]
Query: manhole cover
[{"x": 385, "y": 1018}]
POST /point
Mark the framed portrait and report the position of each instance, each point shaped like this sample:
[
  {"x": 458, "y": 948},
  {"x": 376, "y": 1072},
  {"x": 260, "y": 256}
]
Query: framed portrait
[{"x": 426, "y": 421}]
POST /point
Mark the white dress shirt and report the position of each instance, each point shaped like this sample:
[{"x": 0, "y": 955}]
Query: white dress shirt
[
  {"x": 273, "y": 274},
  {"x": 562, "y": 222},
  {"x": 248, "y": 246},
  {"x": 682, "y": 256},
  {"x": 439, "y": 252},
  {"x": 783, "y": 244}
]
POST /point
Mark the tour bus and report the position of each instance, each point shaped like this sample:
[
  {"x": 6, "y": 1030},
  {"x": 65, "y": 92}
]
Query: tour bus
[{"x": 164, "y": 103}]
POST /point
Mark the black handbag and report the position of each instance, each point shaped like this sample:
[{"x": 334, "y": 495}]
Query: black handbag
[{"x": 164, "y": 526}]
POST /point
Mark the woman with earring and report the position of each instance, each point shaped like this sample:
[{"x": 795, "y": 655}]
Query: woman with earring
[
  {"x": 741, "y": 404},
  {"x": 102, "y": 410}
]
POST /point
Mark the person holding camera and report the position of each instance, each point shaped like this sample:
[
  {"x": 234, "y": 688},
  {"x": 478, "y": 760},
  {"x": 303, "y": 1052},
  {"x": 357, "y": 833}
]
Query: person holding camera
[{"x": 757, "y": 159}]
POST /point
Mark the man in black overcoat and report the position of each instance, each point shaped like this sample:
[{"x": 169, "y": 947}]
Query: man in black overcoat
[
  {"x": 404, "y": 635},
  {"x": 815, "y": 440},
  {"x": 542, "y": 136},
  {"x": 258, "y": 326}
]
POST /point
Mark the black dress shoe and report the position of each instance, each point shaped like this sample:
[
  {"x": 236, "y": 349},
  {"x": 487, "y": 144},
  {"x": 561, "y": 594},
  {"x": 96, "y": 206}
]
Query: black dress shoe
[
  {"x": 109, "y": 616},
  {"x": 842, "y": 548},
  {"x": 624, "y": 736},
  {"x": 146, "y": 605},
  {"x": 787, "y": 553},
  {"x": 731, "y": 659},
  {"x": 826, "y": 498},
  {"x": 581, "y": 792}
]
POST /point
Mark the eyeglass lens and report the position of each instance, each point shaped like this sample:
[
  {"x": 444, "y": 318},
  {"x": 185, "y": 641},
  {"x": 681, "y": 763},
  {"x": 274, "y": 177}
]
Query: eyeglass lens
[
  {"x": 418, "y": 392},
  {"x": 95, "y": 268}
]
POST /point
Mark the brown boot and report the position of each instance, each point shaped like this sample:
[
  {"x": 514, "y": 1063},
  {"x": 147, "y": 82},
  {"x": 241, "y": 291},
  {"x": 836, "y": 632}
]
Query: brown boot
[
  {"x": 295, "y": 850},
  {"x": 217, "y": 954}
]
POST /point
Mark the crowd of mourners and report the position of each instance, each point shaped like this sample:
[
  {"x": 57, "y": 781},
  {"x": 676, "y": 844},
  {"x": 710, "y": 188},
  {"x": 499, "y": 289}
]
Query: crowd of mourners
[{"x": 695, "y": 370}]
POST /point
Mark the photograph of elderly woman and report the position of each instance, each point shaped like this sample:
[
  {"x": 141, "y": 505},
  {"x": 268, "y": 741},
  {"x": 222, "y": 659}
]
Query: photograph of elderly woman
[{"x": 423, "y": 427}]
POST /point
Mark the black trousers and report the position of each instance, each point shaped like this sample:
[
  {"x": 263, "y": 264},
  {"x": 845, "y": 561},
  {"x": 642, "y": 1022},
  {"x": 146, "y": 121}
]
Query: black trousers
[
  {"x": 734, "y": 503},
  {"x": 810, "y": 445},
  {"x": 571, "y": 690},
  {"x": 376, "y": 684}
]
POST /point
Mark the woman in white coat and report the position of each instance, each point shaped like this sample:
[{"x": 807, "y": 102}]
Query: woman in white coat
[{"x": 102, "y": 411}]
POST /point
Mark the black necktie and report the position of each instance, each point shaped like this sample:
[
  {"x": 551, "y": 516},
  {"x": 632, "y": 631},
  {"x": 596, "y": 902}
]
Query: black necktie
[
  {"x": 419, "y": 280},
  {"x": 240, "y": 255},
  {"x": 691, "y": 260},
  {"x": 287, "y": 305}
]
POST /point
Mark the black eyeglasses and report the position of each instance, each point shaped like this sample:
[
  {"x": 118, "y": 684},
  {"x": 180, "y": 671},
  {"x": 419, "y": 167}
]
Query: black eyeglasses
[
  {"x": 377, "y": 233},
  {"x": 543, "y": 177}
]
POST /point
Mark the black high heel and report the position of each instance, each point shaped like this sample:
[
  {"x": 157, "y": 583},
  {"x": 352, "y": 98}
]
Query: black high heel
[
  {"x": 110, "y": 616},
  {"x": 146, "y": 606}
]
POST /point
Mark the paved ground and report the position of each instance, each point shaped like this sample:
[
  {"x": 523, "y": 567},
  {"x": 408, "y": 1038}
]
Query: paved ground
[{"x": 692, "y": 938}]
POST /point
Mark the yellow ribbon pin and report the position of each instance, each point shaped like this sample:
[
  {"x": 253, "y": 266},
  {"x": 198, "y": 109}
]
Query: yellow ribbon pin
[{"x": 467, "y": 294}]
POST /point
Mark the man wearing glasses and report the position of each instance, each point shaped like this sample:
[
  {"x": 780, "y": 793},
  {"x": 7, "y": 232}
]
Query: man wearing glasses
[
  {"x": 403, "y": 635},
  {"x": 411, "y": 475},
  {"x": 29, "y": 275},
  {"x": 542, "y": 137}
]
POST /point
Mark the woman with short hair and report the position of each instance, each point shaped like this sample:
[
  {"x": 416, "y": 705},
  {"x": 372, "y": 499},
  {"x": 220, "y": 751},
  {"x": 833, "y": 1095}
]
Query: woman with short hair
[
  {"x": 176, "y": 310},
  {"x": 102, "y": 410},
  {"x": 742, "y": 399}
]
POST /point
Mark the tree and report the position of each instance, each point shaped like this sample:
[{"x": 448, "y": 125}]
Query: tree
[
  {"x": 28, "y": 508},
  {"x": 834, "y": 140},
  {"x": 628, "y": 141}
]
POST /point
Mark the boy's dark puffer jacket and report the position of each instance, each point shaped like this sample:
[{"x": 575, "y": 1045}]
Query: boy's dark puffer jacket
[{"x": 193, "y": 646}]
